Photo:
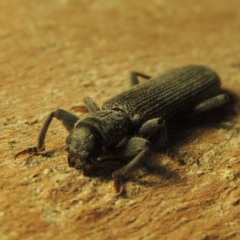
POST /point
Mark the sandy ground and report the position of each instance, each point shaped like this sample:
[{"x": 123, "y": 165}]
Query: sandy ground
[{"x": 53, "y": 53}]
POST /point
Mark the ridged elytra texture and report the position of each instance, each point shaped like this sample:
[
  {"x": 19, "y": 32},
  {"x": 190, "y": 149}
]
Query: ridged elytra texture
[{"x": 164, "y": 96}]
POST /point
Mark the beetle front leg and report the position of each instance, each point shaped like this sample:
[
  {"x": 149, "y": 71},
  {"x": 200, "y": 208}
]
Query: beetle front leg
[{"x": 68, "y": 119}]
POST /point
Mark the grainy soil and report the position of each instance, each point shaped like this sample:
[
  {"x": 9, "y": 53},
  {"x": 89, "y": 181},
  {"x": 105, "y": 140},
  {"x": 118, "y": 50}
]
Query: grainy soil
[{"x": 53, "y": 53}]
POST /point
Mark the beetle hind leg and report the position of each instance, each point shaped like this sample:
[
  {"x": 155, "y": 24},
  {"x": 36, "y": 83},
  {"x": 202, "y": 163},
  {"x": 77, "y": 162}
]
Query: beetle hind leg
[
  {"x": 134, "y": 77},
  {"x": 211, "y": 103}
]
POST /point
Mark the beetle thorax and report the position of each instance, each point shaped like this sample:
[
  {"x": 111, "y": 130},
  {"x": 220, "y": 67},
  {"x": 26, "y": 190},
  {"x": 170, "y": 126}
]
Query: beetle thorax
[{"x": 111, "y": 125}]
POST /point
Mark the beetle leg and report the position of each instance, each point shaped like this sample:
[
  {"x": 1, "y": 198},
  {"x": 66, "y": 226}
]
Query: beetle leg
[
  {"x": 134, "y": 77},
  {"x": 68, "y": 119},
  {"x": 211, "y": 103},
  {"x": 135, "y": 145},
  {"x": 140, "y": 145},
  {"x": 154, "y": 128},
  {"x": 91, "y": 105}
]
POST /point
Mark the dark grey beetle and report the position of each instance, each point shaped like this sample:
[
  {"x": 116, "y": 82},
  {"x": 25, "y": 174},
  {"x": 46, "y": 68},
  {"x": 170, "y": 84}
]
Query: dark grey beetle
[{"x": 127, "y": 124}]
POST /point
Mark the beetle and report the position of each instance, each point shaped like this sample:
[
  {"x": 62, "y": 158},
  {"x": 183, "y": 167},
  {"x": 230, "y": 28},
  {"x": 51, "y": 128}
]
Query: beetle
[{"x": 129, "y": 124}]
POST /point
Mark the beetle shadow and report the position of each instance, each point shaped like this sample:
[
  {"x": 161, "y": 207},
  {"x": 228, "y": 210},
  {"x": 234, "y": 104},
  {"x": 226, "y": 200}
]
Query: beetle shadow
[
  {"x": 157, "y": 173},
  {"x": 106, "y": 168},
  {"x": 150, "y": 173}
]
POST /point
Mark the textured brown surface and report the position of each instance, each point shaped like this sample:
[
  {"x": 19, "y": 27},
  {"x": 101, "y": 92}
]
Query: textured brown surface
[{"x": 52, "y": 53}]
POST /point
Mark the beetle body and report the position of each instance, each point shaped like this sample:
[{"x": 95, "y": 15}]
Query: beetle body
[
  {"x": 137, "y": 115},
  {"x": 164, "y": 96}
]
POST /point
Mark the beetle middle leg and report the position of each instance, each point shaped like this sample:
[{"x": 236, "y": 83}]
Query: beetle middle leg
[
  {"x": 154, "y": 129},
  {"x": 135, "y": 145},
  {"x": 141, "y": 145},
  {"x": 134, "y": 77}
]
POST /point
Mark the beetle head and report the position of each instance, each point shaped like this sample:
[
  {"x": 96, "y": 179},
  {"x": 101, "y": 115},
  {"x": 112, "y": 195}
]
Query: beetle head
[{"x": 83, "y": 146}]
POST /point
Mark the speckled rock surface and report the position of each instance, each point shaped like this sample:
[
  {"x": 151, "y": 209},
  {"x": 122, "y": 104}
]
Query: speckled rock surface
[{"x": 55, "y": 52}]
